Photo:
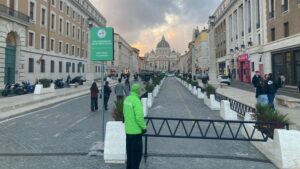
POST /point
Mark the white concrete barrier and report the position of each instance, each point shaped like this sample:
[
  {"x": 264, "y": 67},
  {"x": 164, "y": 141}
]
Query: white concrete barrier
[
  {"x": 249, "y": 116},
  {"x": 145, "y": 106},
  {"x": 155, "y": 91},
  {"x": 200, "y": 95},
  {"x": 225, "y": 111},
  {"x": 211, "y": 102},
  {"x": 283, "y": 150},
  {"x": 190, "y": 88},
  {"x": 39, "y": 89},
  {"x": 150, "y": 100},
  {"x": 195, "y": 90},
  {"x": 115, "y": 143}
]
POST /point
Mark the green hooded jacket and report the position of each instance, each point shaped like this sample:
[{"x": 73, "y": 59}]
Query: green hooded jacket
[{"x": 133, "y": 112}]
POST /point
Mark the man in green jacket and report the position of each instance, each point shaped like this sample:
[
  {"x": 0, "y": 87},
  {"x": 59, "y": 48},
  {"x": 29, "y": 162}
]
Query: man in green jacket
[{"x": 135, "y": 127}]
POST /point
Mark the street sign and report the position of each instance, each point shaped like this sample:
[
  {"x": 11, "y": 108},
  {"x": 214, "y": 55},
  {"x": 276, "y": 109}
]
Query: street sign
[{"x": 102, "y": 44}]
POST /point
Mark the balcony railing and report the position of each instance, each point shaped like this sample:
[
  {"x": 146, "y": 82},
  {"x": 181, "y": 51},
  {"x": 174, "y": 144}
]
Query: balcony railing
[{"x": 9, "y": 12}]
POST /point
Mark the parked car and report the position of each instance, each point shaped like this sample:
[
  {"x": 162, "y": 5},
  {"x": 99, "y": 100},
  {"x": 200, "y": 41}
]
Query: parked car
[
  {"x": 78, "y": 79},
  {"x": 170, "y": 74},
  {"x": 224, "y": 79}
]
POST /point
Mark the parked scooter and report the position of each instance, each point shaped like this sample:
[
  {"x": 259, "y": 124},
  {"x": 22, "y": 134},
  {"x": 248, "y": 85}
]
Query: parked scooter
[
  {"x": 7, "y": 90},
  {"x": 59, "y": 83},
  {"x": 27, "y": 87}
]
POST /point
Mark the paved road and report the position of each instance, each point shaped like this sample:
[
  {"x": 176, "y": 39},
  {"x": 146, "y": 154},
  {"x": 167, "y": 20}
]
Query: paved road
[
  {"x": 60, "y": 137},
  {"x": 282, "y": 91}
]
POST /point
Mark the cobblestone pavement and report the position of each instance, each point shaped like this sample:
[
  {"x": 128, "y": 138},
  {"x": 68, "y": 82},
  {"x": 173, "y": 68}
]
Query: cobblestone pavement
[{"x": 60, "y": 137}]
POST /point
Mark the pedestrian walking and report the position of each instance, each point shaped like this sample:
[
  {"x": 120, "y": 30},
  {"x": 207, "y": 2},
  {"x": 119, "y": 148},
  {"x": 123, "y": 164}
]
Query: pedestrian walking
[
  {"x": 272, "y": 89},
  {"x": 135, "y": 127},
  {"x": 119, "y": 90},
  {"x": 94, "y": 97},
  {"x": 261, "y": 92},
  {"x": 256, "y": 78},
  {"x": 107, "y": 91},
  {"x": 127, "y": 87}
]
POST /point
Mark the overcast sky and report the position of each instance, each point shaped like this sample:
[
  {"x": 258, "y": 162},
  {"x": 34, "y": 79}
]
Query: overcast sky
[{"x": 143, "y": 22}]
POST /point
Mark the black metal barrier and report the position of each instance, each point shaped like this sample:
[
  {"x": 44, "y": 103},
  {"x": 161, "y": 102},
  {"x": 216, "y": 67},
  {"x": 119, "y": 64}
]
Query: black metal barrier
[
  {"x": 208, "y": 129},
  {"x": 236, "y": 106}
]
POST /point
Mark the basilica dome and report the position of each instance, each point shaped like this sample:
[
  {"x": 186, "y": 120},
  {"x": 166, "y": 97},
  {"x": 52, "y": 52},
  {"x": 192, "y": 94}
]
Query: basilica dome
[{"x": 163, "y": 43}]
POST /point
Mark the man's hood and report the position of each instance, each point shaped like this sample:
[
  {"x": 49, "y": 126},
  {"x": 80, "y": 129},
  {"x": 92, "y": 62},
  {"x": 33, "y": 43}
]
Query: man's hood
[{"x": 136, "y": 88}]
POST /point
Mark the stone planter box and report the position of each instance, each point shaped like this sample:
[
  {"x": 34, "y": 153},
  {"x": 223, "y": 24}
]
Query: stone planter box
[
  {"x": 115, "y": 143},
  {"x": 39, "y": 89},
  {"x": 200, "y": 95},
  {"x": 283, "y": 150}
]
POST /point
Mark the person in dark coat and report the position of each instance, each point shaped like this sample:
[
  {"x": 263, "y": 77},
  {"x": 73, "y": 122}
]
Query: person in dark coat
[
  {"x": 107, "y": 91},
  {"x": 94, "y": 97},
  {"x": 272, "y": 89},
  {"x": 256, "y": 78},
  {"x": 127, "y": 87},
  {"x": 261, "y": 92}
]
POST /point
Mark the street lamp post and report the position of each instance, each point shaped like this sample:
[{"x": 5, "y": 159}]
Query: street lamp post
[{"x": 119, "y": 62}]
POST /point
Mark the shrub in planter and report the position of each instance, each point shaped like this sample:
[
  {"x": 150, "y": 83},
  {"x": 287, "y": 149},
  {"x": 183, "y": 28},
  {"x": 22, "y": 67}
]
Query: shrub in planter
[
  {"x": 194, "y": 83},
  {"x": 209, "y": 89},
  {"x": 118, "y": 112},
  {"x": 264, "y": 113},
  {"x": 45, "y": 82},
  {"x": 149, "y": 87}
]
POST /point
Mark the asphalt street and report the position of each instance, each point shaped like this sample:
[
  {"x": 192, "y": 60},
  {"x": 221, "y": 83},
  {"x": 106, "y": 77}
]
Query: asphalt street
[{"x": 60, "y": 136}]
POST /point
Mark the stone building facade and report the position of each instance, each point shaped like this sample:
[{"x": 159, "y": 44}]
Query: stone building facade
[
  {"x": 46, "y": 39},
  {"x": 163, "y": 59}
]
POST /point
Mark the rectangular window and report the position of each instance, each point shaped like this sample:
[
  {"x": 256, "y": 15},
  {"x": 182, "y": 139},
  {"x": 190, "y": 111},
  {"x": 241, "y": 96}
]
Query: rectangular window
[
  {"x": 272, "y": 9},
  {"x": 83, "y": 38},
  {"x": 257, "y": 14},
  {"x": 59, "y": 47},
  {"x": 78, "y": 52},
  {"x": 73, "y": 14},
  {"x": 43, "y": 19},
  {"x": 53, "y": 2},
  {"x": 42, "y": 66},
  {"x": 52, "y": 44},
  {"x": 53, "y": 21},
  {"x": 61, "y": 22},
  {"x": 31, "y": 10},
  {"x": 73, "y": 67},
  {"x": 286, "y": 29},
  {"x": 272, "y": 34},
  {"x": 78, "y": 34},
  {"x": 31, "y": 39},
  {"x": 285, "y": 6},
  {"x": 60, "y": 67},
  {"x": 249, "y": 16},
  {"x": 78, "y": 67},
  {"x": 42, "y": 42},
  {"x": 67, "y": 66},
  {"x": 82, "y": 68},
  {"x": 68, "y": 10},
  {"x": 52, "y": 66},
  {"x": 73, "y": 31},
  {"x": 73, "y": 50},
  {"x": 61, "y": 5},
  {"x": 31, "y": 65},
  {"x": 252, "y": 66},
  {"x": 68, "y": 28},
  {"x": 67, "y": 48}
]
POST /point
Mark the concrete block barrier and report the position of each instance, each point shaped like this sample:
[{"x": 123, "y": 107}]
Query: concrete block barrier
[
  {"x": 200, "y": 95},
  {"x": 115, "y": 143},
  {"x": 225, "y": 111},
  {"x": 195, "y": 90},
  {"x": 283, "y": 150},
  {"x": 150, "y": 100},
  {"x": 39, "y": 89},
  {"x": 145, "y": 106},
  {"x": 190, "y": 88},
  {"x": 211, "y": 102}
]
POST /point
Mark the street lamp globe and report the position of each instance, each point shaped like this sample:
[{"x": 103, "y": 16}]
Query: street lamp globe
[
  {"x": 212, "y": 20},
  {"x": 90, "y": 22}
]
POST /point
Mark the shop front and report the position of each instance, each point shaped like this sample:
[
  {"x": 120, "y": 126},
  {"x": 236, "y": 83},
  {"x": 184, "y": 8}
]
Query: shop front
[
  {"x": 244, "y": 72},
  {"x": 287, "y": 63},
  {"x": 222, "y": 68}
]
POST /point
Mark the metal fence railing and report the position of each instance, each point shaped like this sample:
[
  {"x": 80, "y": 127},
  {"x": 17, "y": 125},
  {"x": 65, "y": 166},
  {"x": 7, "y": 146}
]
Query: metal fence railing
[
  {"x": 13, "y": 13},
  {"x": 209, "y": 129},
  {"x": 235, "y": 105}
]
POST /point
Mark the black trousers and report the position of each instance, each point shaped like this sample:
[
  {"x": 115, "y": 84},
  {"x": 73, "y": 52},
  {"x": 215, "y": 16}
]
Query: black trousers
[
  {"x": 134, "y": 148},
  {"x": 94, "y": 103},
  {"x": 105, "y": 102}
]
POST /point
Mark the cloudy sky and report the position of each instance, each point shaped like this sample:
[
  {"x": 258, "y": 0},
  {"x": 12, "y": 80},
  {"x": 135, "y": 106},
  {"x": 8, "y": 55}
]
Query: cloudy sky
[{"x": 143, "y": 22}]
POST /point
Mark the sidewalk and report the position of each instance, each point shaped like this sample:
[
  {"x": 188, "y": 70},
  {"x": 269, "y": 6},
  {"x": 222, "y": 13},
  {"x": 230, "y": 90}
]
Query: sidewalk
[
  {"x": 248, "y": 98},
  {"x": 13, "y": 106}
]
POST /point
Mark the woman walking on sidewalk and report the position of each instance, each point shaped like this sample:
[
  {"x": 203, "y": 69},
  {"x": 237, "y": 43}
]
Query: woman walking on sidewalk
[
  {"x": 272, "y": 89},
  {"x": 261, "y": 92},
  {"x": 127, "y": 87},
  {"x": 94, "y": 97},
  {"x": 107, "y": 91}
]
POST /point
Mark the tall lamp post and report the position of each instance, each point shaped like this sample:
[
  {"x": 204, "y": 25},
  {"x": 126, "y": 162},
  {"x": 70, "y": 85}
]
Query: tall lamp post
[
  {"x": 119, "y": 62},
  {"x": 212, "y": 52}
]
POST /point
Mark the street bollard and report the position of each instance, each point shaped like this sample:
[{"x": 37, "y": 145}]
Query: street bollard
[
  {"x": 145, "y": 106},
  {"x": 150, "y": 100}
]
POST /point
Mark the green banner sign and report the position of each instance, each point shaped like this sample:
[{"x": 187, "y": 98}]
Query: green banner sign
[{"x": 102, "y": 44}]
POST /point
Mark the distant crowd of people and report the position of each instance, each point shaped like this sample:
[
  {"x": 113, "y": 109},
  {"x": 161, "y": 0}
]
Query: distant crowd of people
[{"x": 266, "y": 87}]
